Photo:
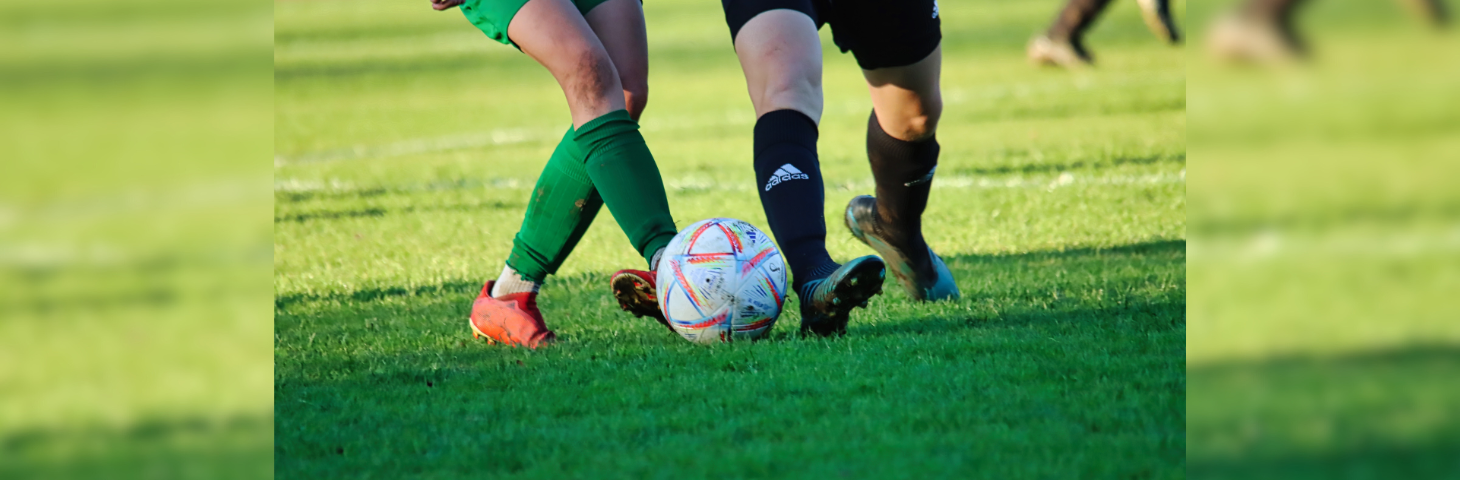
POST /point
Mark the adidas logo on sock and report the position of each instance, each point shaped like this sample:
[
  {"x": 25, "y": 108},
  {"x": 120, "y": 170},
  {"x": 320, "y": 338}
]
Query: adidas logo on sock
[{"x": 784, "y": 174}]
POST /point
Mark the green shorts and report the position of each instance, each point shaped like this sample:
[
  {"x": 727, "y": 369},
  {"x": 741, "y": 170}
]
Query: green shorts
[{"x": 493, "y": 16}]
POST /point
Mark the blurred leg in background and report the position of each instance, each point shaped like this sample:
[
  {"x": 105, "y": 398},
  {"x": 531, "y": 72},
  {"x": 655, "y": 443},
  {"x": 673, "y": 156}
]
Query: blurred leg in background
[
  {"x": 1259, "y": 31},
  {"x": 1063, "y": 44},
  {"x": 1262, "y": 31},
  {"x": 1432, "y": 11}
]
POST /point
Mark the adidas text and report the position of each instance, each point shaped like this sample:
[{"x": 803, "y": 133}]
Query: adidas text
[{"x": 784, "y": 174}]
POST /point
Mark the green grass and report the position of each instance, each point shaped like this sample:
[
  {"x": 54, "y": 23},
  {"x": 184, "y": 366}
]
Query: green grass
[
  {"x": 1323, "y": 341},
  {"x": 135, "y": 240},
  {"x": 406, "y": 145}
]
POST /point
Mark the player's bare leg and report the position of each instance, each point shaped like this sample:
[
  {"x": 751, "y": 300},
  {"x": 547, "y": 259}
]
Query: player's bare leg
[
  {"x": 1258, "y": 31},
  {"x": 908, "y": 101},
  {"x": 903, "y": 151},
  {"x": 619, "y": 25},
  {"x": 603, "y": 159},
  {"x": 780, "y": 54},
  {"x": 1063, "y": 44},
  {"x": 1431, "y": 11},
  {"x": 1157, "y": 14},
  {"x": 555, "y": 34},
  {"x": 558, "y": 37}
]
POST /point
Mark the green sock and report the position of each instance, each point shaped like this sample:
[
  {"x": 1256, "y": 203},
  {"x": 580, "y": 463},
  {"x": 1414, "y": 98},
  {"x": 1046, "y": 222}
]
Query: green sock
[
  {"x": 562, "y": 207},
  {"x": 624, "y": 172}
]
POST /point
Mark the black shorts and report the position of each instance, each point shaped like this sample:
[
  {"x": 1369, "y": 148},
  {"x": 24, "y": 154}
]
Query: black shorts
[{"x": 880, "y": 33}]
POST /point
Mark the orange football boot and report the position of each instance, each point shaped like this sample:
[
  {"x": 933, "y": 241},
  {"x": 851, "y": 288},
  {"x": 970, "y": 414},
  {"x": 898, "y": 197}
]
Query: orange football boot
[
  {"x": 510, "y": 319},
  {"x": 634, "y": 290}
]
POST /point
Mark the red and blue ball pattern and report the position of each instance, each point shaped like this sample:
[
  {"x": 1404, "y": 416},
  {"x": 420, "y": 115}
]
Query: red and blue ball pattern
[{"x": 721, "y": 280}]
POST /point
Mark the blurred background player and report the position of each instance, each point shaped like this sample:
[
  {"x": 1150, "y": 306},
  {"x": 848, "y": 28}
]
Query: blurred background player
[
  {"x": 1063, "y": 44},
  {"x": 1262, "y": 31},
  {"x": 897, "y": 46},
  {"x": 598, "y": 52}
]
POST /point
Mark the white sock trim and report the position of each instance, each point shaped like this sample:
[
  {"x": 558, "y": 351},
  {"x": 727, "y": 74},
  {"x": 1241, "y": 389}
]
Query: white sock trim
[
  {"x": 654, "y": 261},
  {"x": 511, "y": 282}
]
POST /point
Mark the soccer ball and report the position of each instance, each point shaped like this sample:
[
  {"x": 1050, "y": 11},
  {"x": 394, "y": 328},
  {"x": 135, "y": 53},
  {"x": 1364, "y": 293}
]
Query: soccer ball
[{"x": 721, "y": 280}]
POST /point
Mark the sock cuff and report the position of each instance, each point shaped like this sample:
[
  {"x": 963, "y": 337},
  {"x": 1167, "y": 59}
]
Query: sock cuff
[
  {"x": 604, "y": 127},
  {"x": 785, "y": 126},
  {"x": 875, "y": 134},
  {"x": 512, "y": 281},
  {"x": 655, "y": 245},
  {"x": 656, "y": 258},
  {"x": 899, "y": 160},
  {"x": 534, "y": 273}
]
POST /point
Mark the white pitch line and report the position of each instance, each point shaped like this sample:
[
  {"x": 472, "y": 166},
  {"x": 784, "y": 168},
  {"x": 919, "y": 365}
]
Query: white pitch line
[
  {"x": 706, "y": 184},
  {"x": 417, "y": 146},
  {"x": 728, "y": 118},
  {"x": 1338, "y": 241}
]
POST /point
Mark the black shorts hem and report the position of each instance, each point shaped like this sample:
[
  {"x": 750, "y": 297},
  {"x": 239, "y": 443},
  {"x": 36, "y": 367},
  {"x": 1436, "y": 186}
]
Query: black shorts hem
[
  {"x": 906, "y": 51},
  {"x": 879, "y": 33},
  {"x": 739, "y": 12}
]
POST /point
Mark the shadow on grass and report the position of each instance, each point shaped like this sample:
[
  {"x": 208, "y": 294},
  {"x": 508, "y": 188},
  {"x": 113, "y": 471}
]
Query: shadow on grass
[
  {"x": 380, "y": 212},
  {"x": 461, "y": 291},
  {"x": 166, "y": 447},
  {"x": 1381, "y": 414},
  {"x": 387, "y": 382},
  {"x": 1142, "y": 285},
  {"x": 1033, "y": 168},
  {"x": 1139, "y": 260}
]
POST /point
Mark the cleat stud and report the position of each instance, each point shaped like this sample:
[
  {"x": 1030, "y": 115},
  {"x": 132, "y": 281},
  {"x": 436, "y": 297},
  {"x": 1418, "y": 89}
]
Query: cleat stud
[
  {"x": 863, "y": 305},
  {"x": 836, "y": 301},
  {"x": 854, "y": 282}
]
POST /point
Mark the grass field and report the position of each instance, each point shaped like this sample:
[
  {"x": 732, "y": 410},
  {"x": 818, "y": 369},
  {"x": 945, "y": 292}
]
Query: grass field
[
  {"x": 1324, "y": 254},
  {"x": 406, "y": 144}
]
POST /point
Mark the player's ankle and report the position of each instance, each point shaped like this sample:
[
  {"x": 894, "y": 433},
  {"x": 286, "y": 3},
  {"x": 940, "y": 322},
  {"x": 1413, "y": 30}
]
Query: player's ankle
[
  {"x": 511, "y": 282},
  {"x": 805, "y": 284},
  {"x": 654, "y": 260}
]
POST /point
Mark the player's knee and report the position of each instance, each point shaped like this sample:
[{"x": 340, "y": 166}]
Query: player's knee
[
  {"x": 802, "y": 94},
  {"x": 595, "y": 81},
  {"x": 917, "y": 124},
  {"x": 920, "y": 127},
  {"x": 636, "y": 98}
]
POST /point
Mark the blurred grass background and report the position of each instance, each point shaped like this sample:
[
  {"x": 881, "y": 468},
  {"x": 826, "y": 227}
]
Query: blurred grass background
[
  {"x": 1323, "y": 339},
  {"x": 135, "y": 240}
]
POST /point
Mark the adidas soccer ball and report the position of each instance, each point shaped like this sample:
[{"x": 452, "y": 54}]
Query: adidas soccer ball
[{"x": 721, "y": 280}]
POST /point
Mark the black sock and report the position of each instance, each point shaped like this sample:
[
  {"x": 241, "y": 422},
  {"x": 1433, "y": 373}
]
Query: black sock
[
  {"x": 904, "y": 174},
  {"x": 788, "y": 177}
]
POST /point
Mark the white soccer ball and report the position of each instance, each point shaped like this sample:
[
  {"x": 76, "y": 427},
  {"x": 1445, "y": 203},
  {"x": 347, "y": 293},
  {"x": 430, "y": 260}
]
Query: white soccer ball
[{"x": 721, "y": 280}]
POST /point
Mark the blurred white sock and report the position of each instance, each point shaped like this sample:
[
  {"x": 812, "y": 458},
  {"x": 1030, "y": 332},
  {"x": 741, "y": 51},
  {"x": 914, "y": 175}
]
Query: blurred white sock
[
  {"x": 511, "y": 282},
  {"x": 654, "y": 261}
]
